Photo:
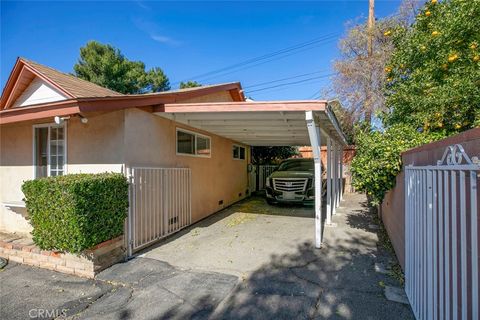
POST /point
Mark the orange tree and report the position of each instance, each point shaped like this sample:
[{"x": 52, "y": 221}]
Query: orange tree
[{"x": 433, "y": 77}]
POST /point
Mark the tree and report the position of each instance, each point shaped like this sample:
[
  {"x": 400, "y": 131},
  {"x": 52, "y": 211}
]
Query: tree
[
  {"x": 106, "y": 66},
  {"x": 360, "y": 78},
  {"x": 272, "y": 155},
  {"x": 433, "y": 77},
  {"x": 189, "y": 84}
]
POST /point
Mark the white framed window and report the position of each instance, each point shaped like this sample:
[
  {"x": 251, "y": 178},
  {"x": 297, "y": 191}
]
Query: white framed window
[
  {"x": 49, "y": 150},
  {"x": 193, "y": 144},
  {"x": 238, "y": 152}
]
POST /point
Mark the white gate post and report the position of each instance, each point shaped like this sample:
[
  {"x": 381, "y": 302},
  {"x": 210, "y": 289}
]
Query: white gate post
[
  {"x": 329, "y": 181},
  {"x": 131, "y": 208},
  {"x": 314, "y": 134},
  {"x": 334, "y": 177},
  {"x": 341, "y": 173}
]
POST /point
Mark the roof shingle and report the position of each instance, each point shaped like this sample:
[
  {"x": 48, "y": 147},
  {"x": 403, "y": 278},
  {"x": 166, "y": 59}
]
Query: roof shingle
[{"x": 77, "y": 87}]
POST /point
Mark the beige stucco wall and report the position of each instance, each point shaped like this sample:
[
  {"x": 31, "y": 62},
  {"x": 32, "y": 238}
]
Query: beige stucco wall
[
  {"x": 93, "y": 147},
  {"x": 151, "y": 141},
  {"x": 15, "y": 167},
  {"x": 96, "y": 146},
  {"x": 107, "y": 143},
  {"x": 223, "y": 96}
]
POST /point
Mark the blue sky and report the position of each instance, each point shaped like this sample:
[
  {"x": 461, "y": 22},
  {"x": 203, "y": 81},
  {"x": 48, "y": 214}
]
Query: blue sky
[{"x": 187, "y": 39}]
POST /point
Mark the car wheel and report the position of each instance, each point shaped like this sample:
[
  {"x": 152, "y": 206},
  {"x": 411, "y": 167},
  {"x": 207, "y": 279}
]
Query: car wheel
[{"x": 270, "y": 201}]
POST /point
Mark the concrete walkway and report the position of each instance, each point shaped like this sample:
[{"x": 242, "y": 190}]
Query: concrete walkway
[
  {"x": 337, "y": 282},
  {"x": 297, "y": 282}
]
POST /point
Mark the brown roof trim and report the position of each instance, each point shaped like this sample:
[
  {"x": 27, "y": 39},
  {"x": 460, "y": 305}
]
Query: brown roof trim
[
  {"x": 19, "y": 66},
  {"x": 64, "y": 107}
]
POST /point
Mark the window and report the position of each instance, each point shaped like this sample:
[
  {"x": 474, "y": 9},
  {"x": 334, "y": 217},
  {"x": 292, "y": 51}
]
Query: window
[
  {"x": 49, "y": 150},
  {"x": 238, "y": 152},
  {"x": 190, "y": 143}
]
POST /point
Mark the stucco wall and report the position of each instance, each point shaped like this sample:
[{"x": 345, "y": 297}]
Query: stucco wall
[
  {"x": 223, "y": 96},
  {"x": 151, "y": 141},
  {"x": 96, "y": 146},
  {"x": 93, "y": 147},
  {"x": 15, "y": 167}
]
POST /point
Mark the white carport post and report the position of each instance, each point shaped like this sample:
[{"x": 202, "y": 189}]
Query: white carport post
[
  {"x": 334, "y": 177},
  {"x": 314, "y": 134},
  {"x": 329, "y": 181},
  {"x": 341, "y": 173},
  {"x": 339, "y": 161}
]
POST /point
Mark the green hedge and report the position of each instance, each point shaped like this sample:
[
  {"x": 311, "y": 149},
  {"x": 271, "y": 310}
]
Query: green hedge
[
  {"x": 75, "y": 212},
  {"x": 378, "y": 158}
]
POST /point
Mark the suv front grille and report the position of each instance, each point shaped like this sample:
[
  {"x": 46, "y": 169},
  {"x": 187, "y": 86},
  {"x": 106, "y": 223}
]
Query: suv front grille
[{"x": 290, "y": 184}]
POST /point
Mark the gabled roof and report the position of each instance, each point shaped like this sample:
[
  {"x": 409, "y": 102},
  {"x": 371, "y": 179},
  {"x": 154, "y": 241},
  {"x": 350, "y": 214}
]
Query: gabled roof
[
  {"x": 77, "y": 87},
  {"x": 83, "y": 96},
  {"x": 25, "y": 71}
]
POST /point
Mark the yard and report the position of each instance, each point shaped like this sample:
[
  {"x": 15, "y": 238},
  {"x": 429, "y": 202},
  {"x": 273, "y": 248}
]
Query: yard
[{"x": 249, "y": 261}]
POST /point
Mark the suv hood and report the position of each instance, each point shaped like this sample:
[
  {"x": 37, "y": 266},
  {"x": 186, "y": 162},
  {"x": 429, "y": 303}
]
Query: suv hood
[{"x": 292, "y": 174}]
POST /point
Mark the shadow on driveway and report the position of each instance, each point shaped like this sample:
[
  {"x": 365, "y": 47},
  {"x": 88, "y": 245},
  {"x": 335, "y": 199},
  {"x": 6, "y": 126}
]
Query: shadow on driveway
[{"x": 335, "y": 282}]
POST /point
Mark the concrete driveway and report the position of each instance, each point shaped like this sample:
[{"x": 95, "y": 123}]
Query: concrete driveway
[
  {"x": 238, "y": 240},
  {"x": 250, "y": 261}
]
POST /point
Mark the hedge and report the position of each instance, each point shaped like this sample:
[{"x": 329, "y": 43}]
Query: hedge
[
  {"x": 75, "y": 212},
  {"x": 378, "y": 158}
]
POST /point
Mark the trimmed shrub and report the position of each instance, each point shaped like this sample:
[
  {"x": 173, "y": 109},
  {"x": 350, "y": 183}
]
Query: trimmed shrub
[{"x": 75, "y": 212}]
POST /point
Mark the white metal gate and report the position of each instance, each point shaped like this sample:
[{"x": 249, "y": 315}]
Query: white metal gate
[
  {"x": 263, "y": 172},
  {"x": 441, "y": 238},
  {"x": 160, "y": 204}
]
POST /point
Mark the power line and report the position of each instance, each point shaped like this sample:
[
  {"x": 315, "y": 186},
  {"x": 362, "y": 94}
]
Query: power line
[
  {"x": 315, "y": 95},
  {"x": 264, "y": 62},
  {"x": 291, "y": 83},
  {"x": 283, "y": 79},
  {"x": 318, "y": 40}
]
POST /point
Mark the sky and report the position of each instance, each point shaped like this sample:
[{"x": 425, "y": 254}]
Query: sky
[{"x": 265, "y": 42}]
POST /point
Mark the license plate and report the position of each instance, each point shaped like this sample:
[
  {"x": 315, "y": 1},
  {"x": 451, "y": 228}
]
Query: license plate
[{"x": 288, "y": 195}]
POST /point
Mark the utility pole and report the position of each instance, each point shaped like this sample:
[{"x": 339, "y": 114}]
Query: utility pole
[{"x": 370, "y": 28}]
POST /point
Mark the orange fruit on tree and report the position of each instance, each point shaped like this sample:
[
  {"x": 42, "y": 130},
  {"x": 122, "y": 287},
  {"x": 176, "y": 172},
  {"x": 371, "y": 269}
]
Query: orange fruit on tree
[{"x": 452, "y": 57}]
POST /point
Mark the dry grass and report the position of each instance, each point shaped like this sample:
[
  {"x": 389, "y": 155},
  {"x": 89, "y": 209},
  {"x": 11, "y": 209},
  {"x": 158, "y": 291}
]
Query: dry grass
[{"x": 240, "y": 218}]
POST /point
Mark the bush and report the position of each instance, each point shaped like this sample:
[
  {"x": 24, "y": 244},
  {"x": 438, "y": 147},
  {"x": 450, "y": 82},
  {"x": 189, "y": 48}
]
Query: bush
[
  {"x": 75, "y": 212},
  {"x": 377, "y": 161}
]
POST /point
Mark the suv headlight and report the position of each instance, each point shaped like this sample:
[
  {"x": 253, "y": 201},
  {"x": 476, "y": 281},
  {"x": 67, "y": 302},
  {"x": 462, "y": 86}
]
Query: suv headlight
[{"x": 267, "y": 183}]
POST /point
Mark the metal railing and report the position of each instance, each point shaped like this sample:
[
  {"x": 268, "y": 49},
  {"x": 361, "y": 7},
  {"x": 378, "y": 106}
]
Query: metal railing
[
  {"x": 263, "y": 172},
  {"x": 441, "y": 237},
  {"x": 160, "y": 204}
]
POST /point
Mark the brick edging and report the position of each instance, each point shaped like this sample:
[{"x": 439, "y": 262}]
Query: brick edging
[{"x": 86, "y": 264}]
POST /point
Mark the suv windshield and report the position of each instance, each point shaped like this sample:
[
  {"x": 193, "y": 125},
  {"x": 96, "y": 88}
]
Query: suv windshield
[{"x": 296, "y": 165}]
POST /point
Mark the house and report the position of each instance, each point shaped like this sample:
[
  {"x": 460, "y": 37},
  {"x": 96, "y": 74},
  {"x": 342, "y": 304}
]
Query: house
[{"x": 53, "y": 123}]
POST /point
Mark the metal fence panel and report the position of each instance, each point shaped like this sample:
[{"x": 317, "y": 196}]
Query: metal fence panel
[
  {"x": 160, "y": 204},
  {"x": 263, "y": 172},
  {"x": 441, "y": 234}
]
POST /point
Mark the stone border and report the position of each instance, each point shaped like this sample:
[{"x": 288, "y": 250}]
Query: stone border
[{"x": 87, "y": 264}]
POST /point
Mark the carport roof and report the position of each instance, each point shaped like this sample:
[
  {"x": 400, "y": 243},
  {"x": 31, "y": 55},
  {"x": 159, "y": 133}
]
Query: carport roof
[{"x": 262, "y": 123}]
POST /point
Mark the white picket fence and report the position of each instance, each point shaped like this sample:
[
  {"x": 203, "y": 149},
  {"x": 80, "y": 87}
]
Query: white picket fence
[
  {"x": 441, "y": 234},
  {"x": 160, "y": 204}
]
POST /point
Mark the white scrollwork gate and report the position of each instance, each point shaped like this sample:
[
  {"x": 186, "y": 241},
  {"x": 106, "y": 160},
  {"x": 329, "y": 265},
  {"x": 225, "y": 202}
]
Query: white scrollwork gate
[{"x": 441, "y": 237}]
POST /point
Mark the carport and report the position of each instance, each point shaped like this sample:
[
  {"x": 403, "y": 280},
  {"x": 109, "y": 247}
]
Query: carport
[{"x": 279, "y": 123}]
